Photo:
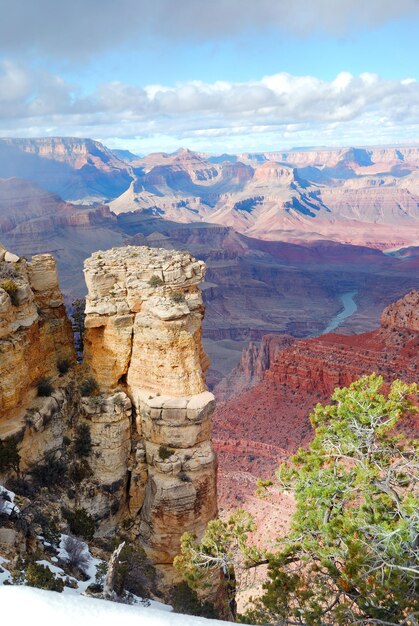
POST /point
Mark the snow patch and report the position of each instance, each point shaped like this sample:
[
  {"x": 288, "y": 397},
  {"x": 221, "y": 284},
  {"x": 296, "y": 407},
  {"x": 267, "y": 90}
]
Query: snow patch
[
  {"x": 38, "y": 607},
  {"x": 7, "y": 499}
]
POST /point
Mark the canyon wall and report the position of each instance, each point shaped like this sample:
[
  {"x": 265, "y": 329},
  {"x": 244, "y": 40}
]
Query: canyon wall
[
  {"x": 35, "y": 333},
  {"x": 143, "y": 339},
  {"x": 256, "y": 428},
  {"x": 130, "y": 427}
]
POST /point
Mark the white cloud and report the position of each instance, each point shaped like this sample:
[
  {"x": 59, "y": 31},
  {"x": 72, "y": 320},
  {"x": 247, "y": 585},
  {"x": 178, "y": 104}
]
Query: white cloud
[
  {"x": 79, "y": 28},
  {"x": 278, "y": 106}
]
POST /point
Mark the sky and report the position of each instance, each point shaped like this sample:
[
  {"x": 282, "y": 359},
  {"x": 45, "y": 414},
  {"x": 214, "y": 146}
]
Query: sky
[{"x": 211, "y": 75}]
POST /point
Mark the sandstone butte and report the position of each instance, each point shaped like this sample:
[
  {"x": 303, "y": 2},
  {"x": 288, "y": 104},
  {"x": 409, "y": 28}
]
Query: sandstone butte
[{"x": 152, "y": 466}]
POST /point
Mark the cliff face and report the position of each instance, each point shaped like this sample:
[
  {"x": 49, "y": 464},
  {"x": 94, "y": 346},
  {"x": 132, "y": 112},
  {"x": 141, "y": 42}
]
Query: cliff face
[
  {"x": 143, "y": 337},
  {"x": 256, "y": 359},
  {"x": 258, "y": 427},
  {"x": 34, "y": 330},
  {"x": 72, "y": 167},
  {"x": 149, "y": 462}
]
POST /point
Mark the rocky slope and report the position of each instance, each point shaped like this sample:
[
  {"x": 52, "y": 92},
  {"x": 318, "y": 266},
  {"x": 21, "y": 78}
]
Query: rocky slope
[
  {"x": 34, "y": 221},
  {"x": 138, "y": 404},
  {"x": 351, "y": 195},
  {"x": 34, "y": 330},
  {"x": 253, "y": 288},
  {"x": 260, "y": 426},
  {"x": 76, "y": 169}
]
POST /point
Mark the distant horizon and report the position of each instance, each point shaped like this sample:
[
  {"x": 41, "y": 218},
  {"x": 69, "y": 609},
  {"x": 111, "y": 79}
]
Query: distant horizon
[{"x": 307, "y": 148}]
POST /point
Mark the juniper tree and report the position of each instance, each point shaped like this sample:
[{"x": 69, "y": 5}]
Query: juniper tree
[{"x": 351, "y": 556}]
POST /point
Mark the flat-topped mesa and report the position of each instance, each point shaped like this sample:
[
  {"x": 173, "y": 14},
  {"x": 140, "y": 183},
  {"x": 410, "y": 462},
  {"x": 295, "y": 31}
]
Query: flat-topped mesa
[
  {"x": 143, "y": 320},
  {"x": 143, "y": 333}
]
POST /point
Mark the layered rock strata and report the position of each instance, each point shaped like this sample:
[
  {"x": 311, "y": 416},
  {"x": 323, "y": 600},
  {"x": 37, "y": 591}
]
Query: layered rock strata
[
  {"x": 143, "y": 337},
  {"x": 256, "y": 429},
  {"x": 34, "y": 329}
]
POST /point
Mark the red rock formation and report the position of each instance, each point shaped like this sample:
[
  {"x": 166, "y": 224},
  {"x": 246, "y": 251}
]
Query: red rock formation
[
  {"x": 256, "y": 359},
  {"x": 273, "y": 416}
]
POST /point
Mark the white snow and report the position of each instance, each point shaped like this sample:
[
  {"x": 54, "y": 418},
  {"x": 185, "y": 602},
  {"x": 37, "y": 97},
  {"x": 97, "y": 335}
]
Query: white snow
[
  {"x": 26, "y": 605},
  {"x": 6, "y": 506},
  {"x": 5, "y": 574},
  {"x": 53, "y": 568}
]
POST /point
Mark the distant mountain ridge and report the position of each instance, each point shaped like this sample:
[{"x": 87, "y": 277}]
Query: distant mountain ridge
[
  {"x": 350, "y": 195},
  {"x": 76, "y": 169}
]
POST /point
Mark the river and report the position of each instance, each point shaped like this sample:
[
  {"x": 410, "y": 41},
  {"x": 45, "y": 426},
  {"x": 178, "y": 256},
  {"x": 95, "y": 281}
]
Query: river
[{"x": 349, "y": 308}]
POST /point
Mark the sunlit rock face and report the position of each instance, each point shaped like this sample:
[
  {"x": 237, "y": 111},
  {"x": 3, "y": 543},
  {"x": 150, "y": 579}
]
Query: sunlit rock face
[
  {"x": 143, "y": 337},
  {"x": 35, "y": 332}
]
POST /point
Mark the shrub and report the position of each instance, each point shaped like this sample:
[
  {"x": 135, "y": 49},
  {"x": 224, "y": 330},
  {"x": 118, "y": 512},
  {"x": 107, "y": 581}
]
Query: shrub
[
  {"x": 88, "y": 386},
  {"x": 78, "y": 556},
  {"x": 79, "y": 471},
  {"x": 97, "y": 402},
  {"x": 80, "y": 523},
  {"x": 8, "y": 271},
  {"x": 20, "y": 486},
  {"x": 185, "y": 600},
  {"x": 83, "y": 441},
  {"x": 11, "y": 287},
  {"x": 44, "y": 387},
  {"x": 177, "y": 296},
  {"x": 155, "y": 281},
  {"x": 165, "y": 453},
  {"x": 63, "y": 365},
  {"x": 49, "y": 473},
  {"x": 135, "y": 573},
  {"x": 38, "y": 575},
  {"x": 9, "y": 455}
]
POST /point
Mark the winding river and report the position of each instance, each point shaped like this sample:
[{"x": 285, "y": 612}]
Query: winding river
[{"x": 349, "y": 308}]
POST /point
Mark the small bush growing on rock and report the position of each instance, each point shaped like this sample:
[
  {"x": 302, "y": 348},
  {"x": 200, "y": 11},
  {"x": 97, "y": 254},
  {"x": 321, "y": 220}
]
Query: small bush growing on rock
[
  {"x": 11, "y": 287},
  {"x": 97, "y": 402},
  {"x": 8, "y": 271},
  {"x": 165, "y": 453},
  {"x": 82, "y": 441},
  {"x": 49, "y": 473},
  {"x": 9, "y": 455},
  {"x": 40, "y": 576},
  {"x": 88, "y": 386},
  {"x": 155, "y": 281},
  {"x": 20, "y": 486},
  {"x": 44, "y": 387},
  {"x": 119, "y": 402},
  {"x": 80, "y": 522},
  {"x": 177, "y": 297},
  {"x": 79, "y": 471},
  {"x": 63, "y": 365}
]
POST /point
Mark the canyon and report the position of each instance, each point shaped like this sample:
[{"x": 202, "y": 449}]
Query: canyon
[
  {"x": 252, "y": 287},
  {"x": 262, "y": 416},
  {"x": 140, "y": 392},
  {"x": 275, "y": 229},
  {"x": 349, "y": 195}
]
